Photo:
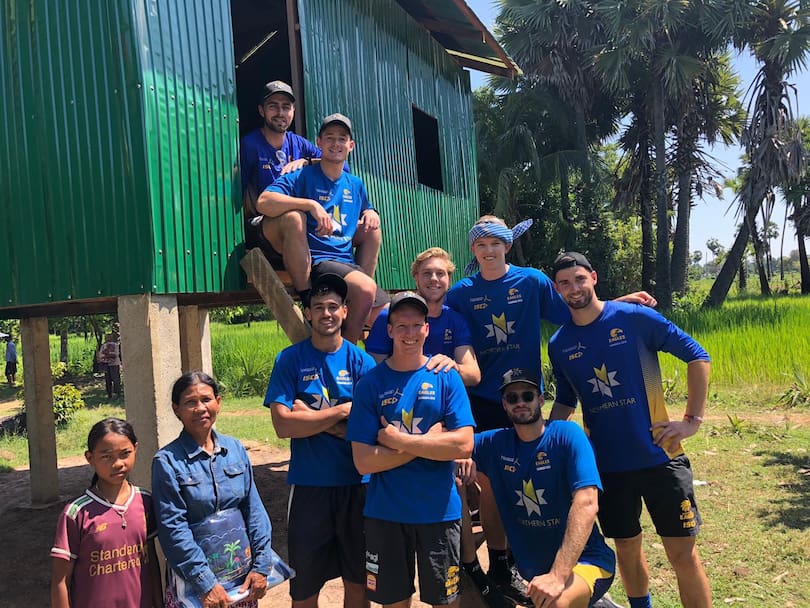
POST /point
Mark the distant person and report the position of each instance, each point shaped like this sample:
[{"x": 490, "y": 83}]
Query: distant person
[
  {"x": 551, "y": 526},
  {"x": 104, "y": 551},
  {"x": 310, "y": 396},
  {"x": 11, "y": 361},
  {"x": 407, "y": 426},
  {"x": 606, "y": 358},
  {"x": 109, "y": 355},
  {"x": 324, "y": 208},
  {"x": 269, "y": 152}
]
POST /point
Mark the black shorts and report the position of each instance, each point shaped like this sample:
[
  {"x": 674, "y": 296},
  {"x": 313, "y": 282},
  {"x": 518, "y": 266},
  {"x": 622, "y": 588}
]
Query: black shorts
[
  {"x": 11, "y": 368},
  {"x": 325, "y": 537},
  {"x": 342, "y": 269},
  {"x": 390, "y": 552},
  {"x": 488, "y": 414},
  {"x": 667, "y": 492},
  {"x": 254, "y": 237}
]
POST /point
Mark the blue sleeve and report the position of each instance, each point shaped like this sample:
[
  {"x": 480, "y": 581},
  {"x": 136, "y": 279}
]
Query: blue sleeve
[
  {"x": 286, "y": 184},
  {"x": 368, "y": 363},
  {"x": 178, "y": 544},
  {"x": 482, "y": 450},
  {"x": 552, "y": 307},
  {"x": 457, "y": 403},
  {"x": 309, "y": 149},
  {"x": 378, "y": 341},
  {"x": 581, "y": 465},
  {"x": 365, "y": 204},
  {"x": 461, "y": 332},
  {"x": 565, "y": 394},
  {"x": 281, "y": 388},
  {"x": 663, "y": 335},
  {"x": 258, "y": 524},
  {"x": 364, "y": 423}
]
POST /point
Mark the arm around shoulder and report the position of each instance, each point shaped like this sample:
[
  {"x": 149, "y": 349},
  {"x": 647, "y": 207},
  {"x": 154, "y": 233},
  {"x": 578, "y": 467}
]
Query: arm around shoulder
[{"x": 561, "y": 412}]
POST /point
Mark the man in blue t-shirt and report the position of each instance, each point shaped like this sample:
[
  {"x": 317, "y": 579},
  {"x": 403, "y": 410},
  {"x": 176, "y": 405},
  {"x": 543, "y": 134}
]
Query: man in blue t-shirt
[
  {"x": 310, "y": 396},
  {"x": 407, "y": 426},
  {"x": 330, "y": 206},
  {"x": 552, "y": 471},
  {"x": 606, "y": 358}
]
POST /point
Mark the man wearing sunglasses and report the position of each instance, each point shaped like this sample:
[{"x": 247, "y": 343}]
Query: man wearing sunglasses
[
  {"x": 606, "y": 358},
  {"x": 551, "y": 470}
]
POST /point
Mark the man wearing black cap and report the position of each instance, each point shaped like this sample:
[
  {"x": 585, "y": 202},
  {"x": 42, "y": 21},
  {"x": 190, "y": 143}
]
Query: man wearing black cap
[
  {"x": 552, "y": 471},
  {"x": 331, "y": 207},
  {"x": 407, "y": 426},
  {"x": 606, "y": 358},
  {"x": 310, "y": 396}
]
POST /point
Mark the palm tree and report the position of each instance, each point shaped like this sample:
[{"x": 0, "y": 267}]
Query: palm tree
[
  {"x": 777, "y": 32},
  {"x": 797, "y": 197}
]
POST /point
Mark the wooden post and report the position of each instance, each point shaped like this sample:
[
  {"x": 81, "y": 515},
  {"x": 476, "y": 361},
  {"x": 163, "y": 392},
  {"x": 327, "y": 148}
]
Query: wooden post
[
  {"x": 195, "y": 340},
  {"x": 39, "y": 410},
  {"x": 150, "y": 345},
  {"x": 275, "y": 295}
]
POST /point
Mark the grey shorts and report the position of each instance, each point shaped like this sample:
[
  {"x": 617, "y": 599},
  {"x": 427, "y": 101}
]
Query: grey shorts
[
  {"x": 325, "y": 537},
  {"x": 390, "y": 551},
  {"x": 341, "y": 269}
]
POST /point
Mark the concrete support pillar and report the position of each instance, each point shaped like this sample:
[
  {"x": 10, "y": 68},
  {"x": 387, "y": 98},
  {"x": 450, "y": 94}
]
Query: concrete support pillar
[
  {"x": 195, "y": 340},
  {"x": 150, "y": 343},
  {"x": 39, "y": 410}
]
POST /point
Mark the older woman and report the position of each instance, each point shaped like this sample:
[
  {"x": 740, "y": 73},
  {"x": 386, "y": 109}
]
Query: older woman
[{"x": 212, "y": 525}]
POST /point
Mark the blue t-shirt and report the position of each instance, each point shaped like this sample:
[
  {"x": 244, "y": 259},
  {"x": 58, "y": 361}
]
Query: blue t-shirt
[
  {"x": 611, "y": 367},
  {"x": 504, "y": 321},
  {"x": 447, "y": 332},
  {"x": 421, "y": 491},
  {"x": 345, "y": 200},
  {"x": 261, "y": 163},
  {"x": 543, "y": 475},
  {"x": 320, "y": 380}
]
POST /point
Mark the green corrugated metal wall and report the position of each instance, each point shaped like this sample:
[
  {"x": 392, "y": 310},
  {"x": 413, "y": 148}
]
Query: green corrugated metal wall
[
  {"x": 371, "y": 61},
  {"x": 119, "y": 134}
]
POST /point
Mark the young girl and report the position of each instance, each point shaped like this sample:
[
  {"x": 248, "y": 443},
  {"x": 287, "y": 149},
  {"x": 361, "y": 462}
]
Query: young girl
[{"x": 104, "y": 553}]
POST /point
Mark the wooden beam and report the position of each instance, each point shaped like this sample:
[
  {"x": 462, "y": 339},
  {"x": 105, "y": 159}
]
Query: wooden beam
[{"x": 274, "y": 293}]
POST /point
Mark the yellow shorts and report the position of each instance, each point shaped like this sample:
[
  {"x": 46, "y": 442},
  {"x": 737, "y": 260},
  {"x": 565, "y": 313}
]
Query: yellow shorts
[{"x": 596, "y": 578}]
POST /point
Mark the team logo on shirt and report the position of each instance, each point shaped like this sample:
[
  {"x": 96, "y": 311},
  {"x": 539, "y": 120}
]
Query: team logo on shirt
[
  {"x": 316, "y": 401},
  {"x": 500, "y": 328},
  {"x": 344, "y": 377},
  {"x": 513, "y": 296},
  {"x": 409, "y": 424},
  {"x": 480, "y": 302},
  {"x": 542, "y": 462},
  {"x": 426, "y": 391},
  {"x": 338, "y": 220},
  {"x": 530, "y": 498},
  {"x": 617, "y": 337},
  {"x": 603, "y": 381},
  {"x": 448, "y": 336},
  {"x": 390, "y": 397}
]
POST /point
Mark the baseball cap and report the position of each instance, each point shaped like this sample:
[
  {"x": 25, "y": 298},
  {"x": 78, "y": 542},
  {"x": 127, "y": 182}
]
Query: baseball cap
[
  {"x": 329, "y": 282},
  {"x": 408, "y": 297},
  {"x": 336, "y": 118},
  {"x": 277, "y": 86},
  {"x": 518, "y": 374},
  {"x": 569, "y": 259}
]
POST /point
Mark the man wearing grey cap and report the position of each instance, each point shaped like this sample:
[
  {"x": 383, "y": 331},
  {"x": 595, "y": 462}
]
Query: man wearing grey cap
[
  {"x": 407, "y": 425},
  {"x": 323, "y": 213}
]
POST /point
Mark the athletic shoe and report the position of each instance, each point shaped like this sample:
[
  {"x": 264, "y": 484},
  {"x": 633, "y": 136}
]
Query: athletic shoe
[
  {"x": 606, "y": 602},
  {"x": 489, "y": 592},
  {"x": 512, "y": 585}
]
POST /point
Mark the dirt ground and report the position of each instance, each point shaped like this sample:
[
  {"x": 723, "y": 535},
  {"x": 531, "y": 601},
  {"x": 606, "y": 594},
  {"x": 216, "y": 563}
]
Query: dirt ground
[{"x": 26, "y": 532}]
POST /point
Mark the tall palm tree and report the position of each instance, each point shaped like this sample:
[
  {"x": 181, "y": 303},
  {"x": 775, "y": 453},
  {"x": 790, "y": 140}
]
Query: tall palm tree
[
  {"x": 777, "y": 32},
  {"x": 797, "y": 197}
]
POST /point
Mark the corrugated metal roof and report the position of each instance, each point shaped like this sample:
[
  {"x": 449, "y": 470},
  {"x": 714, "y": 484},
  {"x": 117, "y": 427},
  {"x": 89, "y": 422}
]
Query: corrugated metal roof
[{"x": 458, "y": 29}]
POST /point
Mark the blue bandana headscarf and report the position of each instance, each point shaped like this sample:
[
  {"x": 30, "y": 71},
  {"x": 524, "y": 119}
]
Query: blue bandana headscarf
[{"x": 499, "y": 231}]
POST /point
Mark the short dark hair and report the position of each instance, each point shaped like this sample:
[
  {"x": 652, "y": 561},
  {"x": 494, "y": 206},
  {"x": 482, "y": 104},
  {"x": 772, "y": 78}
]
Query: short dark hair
[{"x": 190, "y": 379}]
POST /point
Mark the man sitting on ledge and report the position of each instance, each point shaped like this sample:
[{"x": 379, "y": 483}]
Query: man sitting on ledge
[{"x": 318, "y": 210}]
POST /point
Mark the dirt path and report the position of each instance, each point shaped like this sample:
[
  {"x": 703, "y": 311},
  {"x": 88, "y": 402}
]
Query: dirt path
[{"x": 26, "y": 533}]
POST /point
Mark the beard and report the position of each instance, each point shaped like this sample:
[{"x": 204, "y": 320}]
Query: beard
[
  {"x": 529, "y": 417},
  {"x": 583, "y": 302}
]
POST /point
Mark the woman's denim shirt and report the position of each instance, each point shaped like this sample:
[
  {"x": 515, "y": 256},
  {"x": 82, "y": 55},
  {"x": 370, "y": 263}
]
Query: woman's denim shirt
[{"x": 188, "y": 485}]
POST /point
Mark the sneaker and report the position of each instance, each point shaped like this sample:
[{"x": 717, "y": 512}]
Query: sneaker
[
  {"x": 606, "y": 602},
  {"x": 489, "y": 592},
  {"x": 512, "y": 585}
]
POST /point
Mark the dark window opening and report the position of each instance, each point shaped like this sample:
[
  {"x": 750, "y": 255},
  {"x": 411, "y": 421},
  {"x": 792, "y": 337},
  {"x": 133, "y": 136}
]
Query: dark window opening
[{"x": 428, "y": 154}]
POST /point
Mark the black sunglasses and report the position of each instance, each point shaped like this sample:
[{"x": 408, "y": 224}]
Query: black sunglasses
[{"x": 525, "y": 396}]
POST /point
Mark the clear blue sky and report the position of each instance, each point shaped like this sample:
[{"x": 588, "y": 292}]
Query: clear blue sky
[{"x": 710, "y": 218}]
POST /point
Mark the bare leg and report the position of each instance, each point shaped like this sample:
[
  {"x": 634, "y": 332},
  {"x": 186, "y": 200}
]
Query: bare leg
[
  {"x": 288, "y": 235},
  {"x": 310, "y": 602},
  {"x": 693, "y": 585},
  {"x": 354, "y": 595},
  {"x": 632, "y": 566},
  {"x": 490, "y": 518},
  {"x": 468, "y": 554},
  {"x": 367, "y": 249},
  {"x": 359, "y": 300}
]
